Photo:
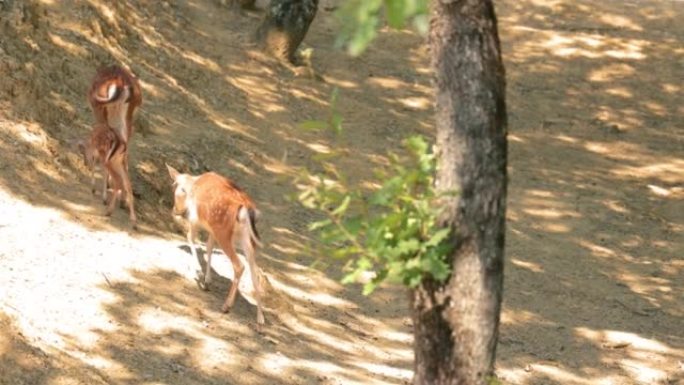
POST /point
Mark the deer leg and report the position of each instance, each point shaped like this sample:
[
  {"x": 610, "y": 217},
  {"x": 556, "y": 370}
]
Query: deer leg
[
  {"x": 207, "y": 270},
  {"x": 105, "y": 184},
  {"x": 191, "y": 241},
  {"x": 125, "y": 201},
  {"x": 129, "y": 200},
  {"x": 250, "y": 253},
  {"x": 123, "y": 183},
  {"x": 116, "y": 187},
  {"x": 227, "y": 246}
]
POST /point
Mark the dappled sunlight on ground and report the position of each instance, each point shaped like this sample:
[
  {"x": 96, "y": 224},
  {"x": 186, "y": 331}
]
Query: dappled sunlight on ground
[{"x": 594, "y": 277}]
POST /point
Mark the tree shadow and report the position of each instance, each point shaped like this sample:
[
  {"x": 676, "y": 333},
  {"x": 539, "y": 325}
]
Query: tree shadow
[{"x": 595, "y": 193}]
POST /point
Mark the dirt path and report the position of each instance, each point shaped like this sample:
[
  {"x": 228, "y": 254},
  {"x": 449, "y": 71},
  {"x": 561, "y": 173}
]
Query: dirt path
[{"x": 595, "y": 268}]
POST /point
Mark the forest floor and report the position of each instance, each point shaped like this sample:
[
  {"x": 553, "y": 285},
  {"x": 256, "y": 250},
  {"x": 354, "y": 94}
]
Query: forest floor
[{"x": 594, "y": 287}]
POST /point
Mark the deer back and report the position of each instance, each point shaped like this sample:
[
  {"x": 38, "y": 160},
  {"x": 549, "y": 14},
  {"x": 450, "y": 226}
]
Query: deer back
[
  {"x": 113, "y": 86},
  {"x": 217, "y": 200}
]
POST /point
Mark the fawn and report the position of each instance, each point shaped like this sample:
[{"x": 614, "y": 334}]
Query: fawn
[
  {"x": 104, "y": 148},
  {"x": 215, "y": 204}
]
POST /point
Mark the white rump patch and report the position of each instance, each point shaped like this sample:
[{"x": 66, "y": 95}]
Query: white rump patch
[
  {"x": 111, "y": 91},
  {"x": 243, "y": 214}
]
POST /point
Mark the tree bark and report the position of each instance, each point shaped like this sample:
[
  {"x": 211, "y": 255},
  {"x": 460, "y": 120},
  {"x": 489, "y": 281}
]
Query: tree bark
[
  {"x": 285, "y": 26},
  {"x": 456, "y": 322}
]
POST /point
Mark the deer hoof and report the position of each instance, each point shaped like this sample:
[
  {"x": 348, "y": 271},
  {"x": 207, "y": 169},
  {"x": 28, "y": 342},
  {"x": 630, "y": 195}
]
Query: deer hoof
[{"x": 225, "y": 308}]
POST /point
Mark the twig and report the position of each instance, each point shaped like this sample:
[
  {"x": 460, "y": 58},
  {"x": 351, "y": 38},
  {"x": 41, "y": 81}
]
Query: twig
[{"x": 107, "y": 279}]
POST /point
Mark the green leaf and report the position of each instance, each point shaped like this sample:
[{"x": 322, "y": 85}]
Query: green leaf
[
  {"x": 313, "y": 125},
  {"x": 336, "y": 122},
  {"x": 438, "y": 237},
  {"x": 408, "y": 247},
  {"x": 342, "y": 207},
  {"x": 395, "y": 13},
  {"x": 319, "y": 224}
]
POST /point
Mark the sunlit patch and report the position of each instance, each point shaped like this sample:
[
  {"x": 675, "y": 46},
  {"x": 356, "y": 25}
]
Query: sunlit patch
[
  {"x": 565, "y": 377},
  {"x": 622, "y": 92},
  {"x": 285, "y": 249},
  {"x": 598, "y": 250},
  {"x": 512, "y": 376},
  {"x": 207, "y": 63},
  {"x": 643, "y": 373},
  {"x": 619, "y": 22},
  {"x": 340, "y": 83},
  {"x": 668, "y": 171},
  {"x": 655, "y": 108},
  {"x": 103, "y": 363},
  {"x": 416, "y": 103},
  {"x": 597, "y": 147},
  {"x": 550, "y": 213},
  {"x": 405, "y": 338},
  {"x": 276, "y": 363},
  {"x": 520, "y": 317},
  {"x": 567, "y": 139},
  {"x": 319, "y": 148},
  {"x": 540, "y": 193},
  {"x": 385, "y": 370},
  {"x": 616, "y": 206},
  {"x": 319, "y": 297},
  {"x": 612, "y": 72},
  {"x": 389, "y": 83},
  {"x": 671, "y": 88},
  {"x": 615, "y": 338},
  {"x": 515, "y": 138},
  {"x": 278, "y": 167},
  {"x": 151, "y": 90},
  {"x": 241, "y": 166},
  {"x": 535, "y": 267},
  {"x": 659, "y": 191},
  {"x": 66, "y": 45}
]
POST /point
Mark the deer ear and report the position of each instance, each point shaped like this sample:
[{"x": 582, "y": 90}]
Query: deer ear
[{"x": 172, "y": 172}]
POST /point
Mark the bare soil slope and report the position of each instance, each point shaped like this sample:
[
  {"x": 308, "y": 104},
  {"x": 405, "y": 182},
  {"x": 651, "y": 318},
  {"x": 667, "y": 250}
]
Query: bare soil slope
[{"x": 595, "y": 268}]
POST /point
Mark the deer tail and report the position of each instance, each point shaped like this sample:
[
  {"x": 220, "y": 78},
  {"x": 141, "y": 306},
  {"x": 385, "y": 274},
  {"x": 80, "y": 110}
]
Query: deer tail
[
  {"x": 113, "y": 93},
  {"x": 250, "y": 214}
]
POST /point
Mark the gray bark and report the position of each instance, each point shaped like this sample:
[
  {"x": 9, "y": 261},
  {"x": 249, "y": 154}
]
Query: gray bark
[
  {"x": 284, "y": 27},
  {"x": 456, "y": 322}
]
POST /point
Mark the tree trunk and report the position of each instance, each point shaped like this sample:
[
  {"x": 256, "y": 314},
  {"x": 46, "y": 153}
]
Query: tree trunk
[
  {"x": 242, "y": 4},
  {"x": 456, "y": 322},
  {"x": 285, "y": 26}
]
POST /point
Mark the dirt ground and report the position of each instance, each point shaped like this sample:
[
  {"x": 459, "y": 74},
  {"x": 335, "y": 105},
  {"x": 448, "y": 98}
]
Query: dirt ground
[{"x": 594, "y": 290}]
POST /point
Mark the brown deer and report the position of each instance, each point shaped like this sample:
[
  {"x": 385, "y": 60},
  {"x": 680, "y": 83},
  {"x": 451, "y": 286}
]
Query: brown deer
[
  {"x": 114, "y": 96},
  {"x": 103, "y": 147},
  {"x": 215, "y": 204}
]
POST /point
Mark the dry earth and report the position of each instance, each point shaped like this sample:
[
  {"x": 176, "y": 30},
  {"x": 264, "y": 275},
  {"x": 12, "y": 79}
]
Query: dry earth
[{"x": 595, "y": 267}]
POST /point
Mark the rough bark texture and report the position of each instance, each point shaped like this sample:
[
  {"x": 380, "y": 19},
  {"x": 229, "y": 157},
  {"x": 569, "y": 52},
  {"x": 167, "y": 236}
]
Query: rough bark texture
[
  {"x": 243, "y": 4},
  {"x": 456, "y": 322},
  {"x": 285, "y": 26}
]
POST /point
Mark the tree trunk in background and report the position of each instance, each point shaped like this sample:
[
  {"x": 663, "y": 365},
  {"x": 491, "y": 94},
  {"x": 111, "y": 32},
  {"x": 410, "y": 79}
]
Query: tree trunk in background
[
  {"x": 244, "y": 4},
  {"x": 285, "y": 26},
  {"x": 456, "y": 322}
]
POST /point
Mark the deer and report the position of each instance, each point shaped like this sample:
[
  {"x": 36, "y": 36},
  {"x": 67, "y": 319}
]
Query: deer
[
  {"x": 114, "y": 96},
  {"x": 215, "y": 204},
  {"x": 104, "y": 148}
]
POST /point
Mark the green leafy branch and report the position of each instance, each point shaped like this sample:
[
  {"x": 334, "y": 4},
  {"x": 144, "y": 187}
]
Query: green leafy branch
[
  {"x": 360, "y": 20},
  {"x": 390, "y": 233}
]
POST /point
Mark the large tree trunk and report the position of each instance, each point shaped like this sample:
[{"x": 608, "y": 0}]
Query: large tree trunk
[
  {"x": 285, "y": 26},
  {"x": 456, "y": 322}
]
